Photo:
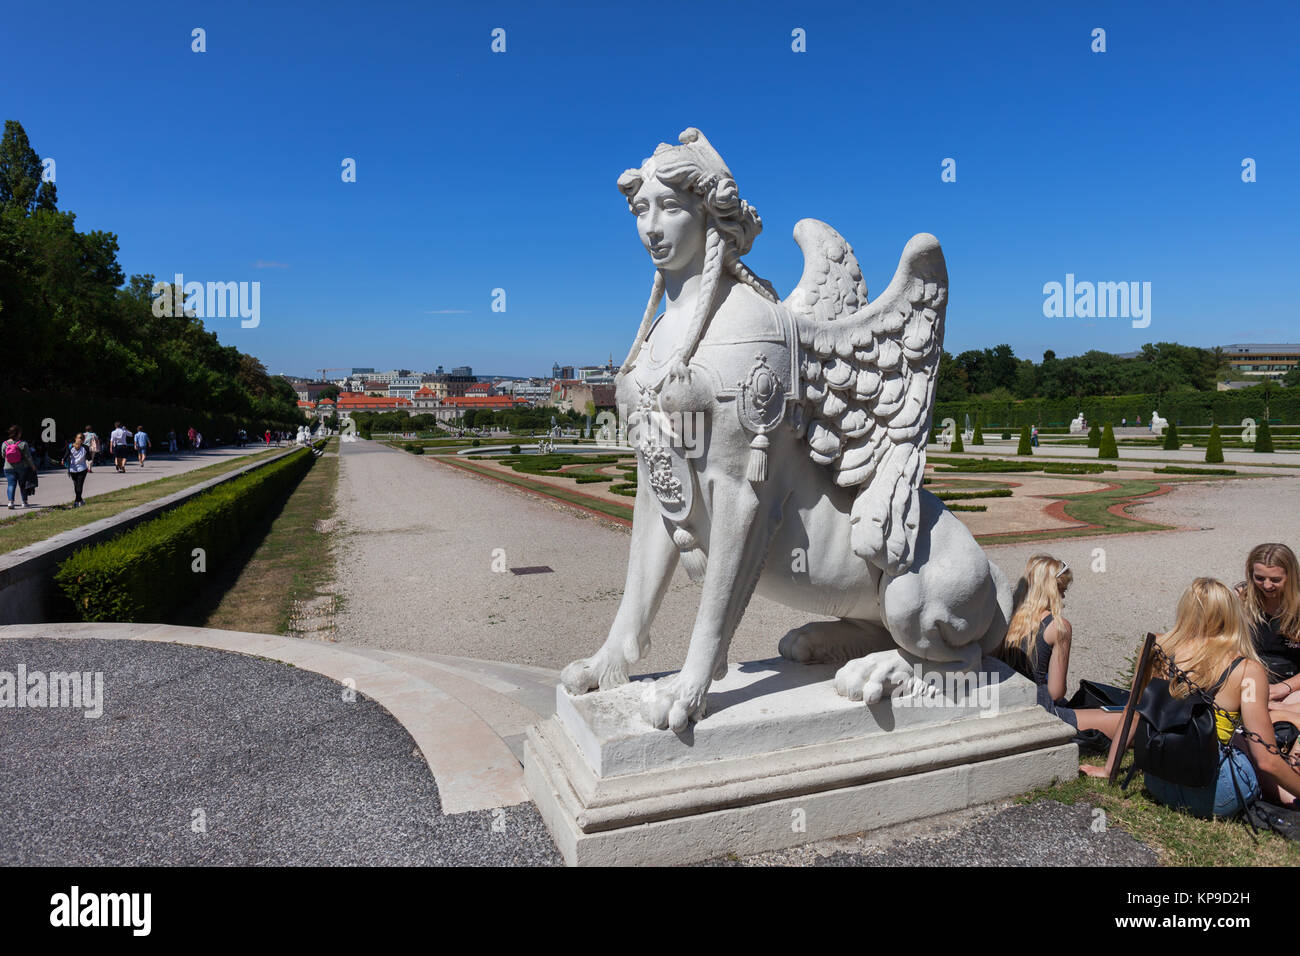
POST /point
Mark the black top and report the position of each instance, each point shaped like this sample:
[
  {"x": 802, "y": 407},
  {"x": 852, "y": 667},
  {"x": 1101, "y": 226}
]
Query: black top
[
  {"x": 1280, "y": 655},
  {"x": 1042, "y": 656}
]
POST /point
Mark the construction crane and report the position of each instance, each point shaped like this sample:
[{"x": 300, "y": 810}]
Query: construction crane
[{"x": 346, "y": 368}]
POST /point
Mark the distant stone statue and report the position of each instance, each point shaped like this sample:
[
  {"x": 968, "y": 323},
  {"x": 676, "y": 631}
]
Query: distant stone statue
[
  {"x": 1078, "y": 424},
  {"x": 814, "y": 411},
  {"x": 1158, "y": 424}
]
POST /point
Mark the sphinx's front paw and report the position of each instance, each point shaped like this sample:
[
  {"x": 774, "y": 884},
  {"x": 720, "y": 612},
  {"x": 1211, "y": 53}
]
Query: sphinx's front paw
[
  {"x": 673, "y": 703},
  {"x": 603, "y": 670},
  {"x": 877, "y": 676}
]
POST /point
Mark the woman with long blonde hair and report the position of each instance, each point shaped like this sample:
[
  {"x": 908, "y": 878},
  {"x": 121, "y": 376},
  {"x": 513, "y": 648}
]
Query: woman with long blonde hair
[
  {"x": 1211, "y": 643},
  {"x": 1271, "y": 595},
  {"x": 1037, "y": 642}
]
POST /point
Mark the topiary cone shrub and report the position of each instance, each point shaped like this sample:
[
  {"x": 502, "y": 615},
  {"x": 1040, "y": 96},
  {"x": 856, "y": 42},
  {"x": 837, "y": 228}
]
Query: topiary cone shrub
[
  {"x": 1006, "y": 435},
  {"x": 1094, "y": 436},
  {"x": 1172, "y": 442},
  {"x": 1107, "y": 447},
  {"x": 1024, "y": 448},
  {"x": 957, "y": 443},
  {"x": 978, "y": 439},
  {"x": 1214, "y": 449},
  {"x": 1263, "y": 438}
]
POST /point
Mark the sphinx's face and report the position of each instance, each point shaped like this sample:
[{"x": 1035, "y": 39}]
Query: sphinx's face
[{"x": 671, "y": 225}]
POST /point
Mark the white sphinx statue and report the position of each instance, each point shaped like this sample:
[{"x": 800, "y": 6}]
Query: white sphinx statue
[
  {"x": 1158, "y": 424},
  {"x": 1078, "y": 424},
  {"x": 815, "y": 412}
]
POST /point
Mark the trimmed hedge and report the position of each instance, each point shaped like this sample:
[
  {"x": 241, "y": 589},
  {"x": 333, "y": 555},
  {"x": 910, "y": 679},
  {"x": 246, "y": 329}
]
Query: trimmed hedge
[
  {"x": 1094, "y": 436},
  {"x": 1108, "y": 448},
  {"x": 1172, "y": 441},
  {"x": 1026, "y": 446},
  {"x": 1214, "y": 448},
  {"x": 1263, "y": 438},
  {"x": 1186, "y": 407},
  {"x": 147, "y": 572}
]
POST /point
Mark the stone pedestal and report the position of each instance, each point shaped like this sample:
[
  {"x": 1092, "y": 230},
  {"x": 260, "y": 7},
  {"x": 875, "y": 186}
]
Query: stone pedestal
[{"x": 782, "y": 760}]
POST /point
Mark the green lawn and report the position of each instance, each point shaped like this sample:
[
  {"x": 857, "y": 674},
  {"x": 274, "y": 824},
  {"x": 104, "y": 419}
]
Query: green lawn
[
  {"x": 27, "y": 528},
  {"x": 286, "y": 569},
  {"x": 1178, "y": 837},
  {"x": 613, "y": 509}
]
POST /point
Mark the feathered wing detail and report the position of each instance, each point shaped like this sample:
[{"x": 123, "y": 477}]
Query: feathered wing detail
[{"x": 868, "y": 376}]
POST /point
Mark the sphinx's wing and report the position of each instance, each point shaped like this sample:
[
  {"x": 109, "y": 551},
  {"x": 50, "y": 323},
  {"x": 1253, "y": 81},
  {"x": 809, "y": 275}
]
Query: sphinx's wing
[{"x": 868, "y": 378}]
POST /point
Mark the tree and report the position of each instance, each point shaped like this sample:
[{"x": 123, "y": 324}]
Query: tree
[
  {"x": 1025, "y": 447},
  {"x": 978, "y": 438},
  {"x": 1108, "y": 448},
  {"x": 1172, "y": 442},
  {"x": 1263, "y": 437},
  {"x": 21, "y": 187},
  {"x": 1094, "y": 436},
  {"x": 1214, "y": 449}
]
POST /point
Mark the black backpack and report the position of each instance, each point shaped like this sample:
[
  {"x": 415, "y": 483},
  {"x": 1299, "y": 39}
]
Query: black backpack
[{"x": 1176, "y": 739}]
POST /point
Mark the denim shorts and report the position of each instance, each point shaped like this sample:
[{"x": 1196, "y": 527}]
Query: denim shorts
[{"x": 1219, "y": 798}]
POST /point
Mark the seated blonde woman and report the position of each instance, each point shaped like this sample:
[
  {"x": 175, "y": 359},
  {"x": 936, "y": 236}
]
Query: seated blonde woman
[
  {"x": 1037, "y": 643},
  {"x": 1271, "y": 595}
]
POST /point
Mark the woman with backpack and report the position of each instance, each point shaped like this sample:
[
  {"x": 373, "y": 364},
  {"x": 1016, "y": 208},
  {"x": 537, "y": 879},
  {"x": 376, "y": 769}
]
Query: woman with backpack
[
  {"x": 1211, "y": 644},
  {"x": 19, "y": 464}
]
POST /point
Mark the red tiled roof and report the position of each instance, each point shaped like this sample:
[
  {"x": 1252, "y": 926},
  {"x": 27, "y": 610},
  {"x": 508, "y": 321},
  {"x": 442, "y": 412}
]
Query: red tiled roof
[
  {"x": 482, "y": 401},
  {"x": 363, "y": 401}
]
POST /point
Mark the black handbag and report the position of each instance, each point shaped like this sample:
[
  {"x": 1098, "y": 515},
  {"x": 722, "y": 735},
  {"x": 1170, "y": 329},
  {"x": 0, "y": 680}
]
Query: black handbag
[
  {"x": 1092, "y": 694},
  {"x": 1176, "y": 738}
]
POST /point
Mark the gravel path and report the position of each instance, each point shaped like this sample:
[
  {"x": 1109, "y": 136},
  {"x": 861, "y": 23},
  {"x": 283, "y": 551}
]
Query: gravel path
[
  {"x": 416, "y": 568},
  {"x": 415, "y": 571},
  {"x": 283, "y": 770},
  {"x": 1045, "y": 833}
]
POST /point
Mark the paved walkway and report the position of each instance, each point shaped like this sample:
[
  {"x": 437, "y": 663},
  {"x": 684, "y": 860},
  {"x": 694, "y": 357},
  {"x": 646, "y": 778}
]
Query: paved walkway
[{"x": 56, "y": 488}]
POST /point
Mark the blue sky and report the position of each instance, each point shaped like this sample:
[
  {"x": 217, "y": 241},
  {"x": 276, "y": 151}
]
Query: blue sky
[{"x": 478, "y": 170}]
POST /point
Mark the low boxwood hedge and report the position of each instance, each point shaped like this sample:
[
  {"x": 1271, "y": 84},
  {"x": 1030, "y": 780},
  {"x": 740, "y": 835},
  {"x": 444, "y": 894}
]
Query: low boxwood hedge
[{"x": 148, "y": 571}]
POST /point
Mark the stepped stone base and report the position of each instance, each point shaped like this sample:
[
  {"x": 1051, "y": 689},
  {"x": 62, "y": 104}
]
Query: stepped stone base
[{"x": 782, "y": 760}]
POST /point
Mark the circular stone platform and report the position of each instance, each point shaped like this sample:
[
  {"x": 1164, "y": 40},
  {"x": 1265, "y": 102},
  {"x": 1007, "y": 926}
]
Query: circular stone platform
[{"x": 208, "y": 757}]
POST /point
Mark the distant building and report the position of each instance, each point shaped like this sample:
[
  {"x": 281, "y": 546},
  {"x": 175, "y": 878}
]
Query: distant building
[
  {"x": 1259, "y": 361},
  {"x": 310, "y": 391},
  {"x": 404, "y": 386}
]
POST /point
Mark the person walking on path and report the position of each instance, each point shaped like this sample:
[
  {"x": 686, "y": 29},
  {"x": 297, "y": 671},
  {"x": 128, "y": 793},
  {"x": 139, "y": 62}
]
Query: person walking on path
[
  {"x": 1033, "y": 436},
  {"x": 77, "y": 461},
  {"x": 191, "y": 434},
  {"x": 171, "y": 441},
  {"x": 18, "y": 462},
  {"x": 120, "y": 441},
  {"x": 142, "y": 444}
]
